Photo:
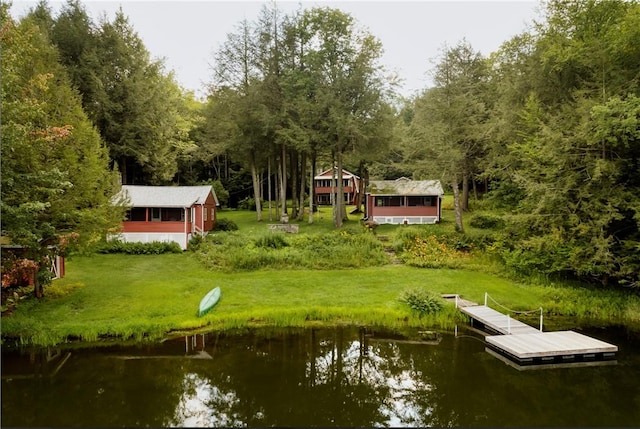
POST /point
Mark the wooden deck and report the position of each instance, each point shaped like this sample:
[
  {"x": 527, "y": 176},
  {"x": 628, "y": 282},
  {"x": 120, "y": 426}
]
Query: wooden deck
[
  {"x": 526, "y": 345},
  {"x": 546, "y": 344}
]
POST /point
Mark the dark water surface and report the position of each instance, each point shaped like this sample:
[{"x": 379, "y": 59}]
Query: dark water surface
[{"x": 346, "y": 377}]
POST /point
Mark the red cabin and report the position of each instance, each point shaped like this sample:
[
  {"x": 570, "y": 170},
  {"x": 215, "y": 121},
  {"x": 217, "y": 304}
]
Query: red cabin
[
  {"x": 404, "y": 201},
  {"x": 167, "y": 213},
  {"x": 325, "y": 184}
]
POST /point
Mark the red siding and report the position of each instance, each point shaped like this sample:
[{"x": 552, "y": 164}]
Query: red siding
[
  {"x": 372, "y": 210},
  {"x": 130, "y": 226},
  {"x": 327, "y": 190},
  {"x": 211, "y": 220},
  {"x": 404, "y": 211}
]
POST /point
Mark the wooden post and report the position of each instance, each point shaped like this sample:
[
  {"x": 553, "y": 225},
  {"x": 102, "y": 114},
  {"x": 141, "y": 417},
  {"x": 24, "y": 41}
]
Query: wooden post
[
  {"x": 485, "y": 298},
  {"x": 540, "y": 319}
]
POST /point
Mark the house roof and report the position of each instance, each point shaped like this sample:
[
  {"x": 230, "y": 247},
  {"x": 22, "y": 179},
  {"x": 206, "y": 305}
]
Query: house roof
[
  {"x": 329, "y": 174},
  {"x": 165, "y": 196},
  {"x": 404, "y": 186}
]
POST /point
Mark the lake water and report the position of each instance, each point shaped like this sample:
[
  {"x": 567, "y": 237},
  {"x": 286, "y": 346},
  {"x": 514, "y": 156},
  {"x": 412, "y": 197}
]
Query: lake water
[{"x": 348, "y": 377}]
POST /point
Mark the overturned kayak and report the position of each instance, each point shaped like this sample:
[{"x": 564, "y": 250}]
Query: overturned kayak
[{"x": 209, "y": 300}]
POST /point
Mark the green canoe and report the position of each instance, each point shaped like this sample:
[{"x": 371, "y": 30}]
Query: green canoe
[{"x": 209, "y": 300}]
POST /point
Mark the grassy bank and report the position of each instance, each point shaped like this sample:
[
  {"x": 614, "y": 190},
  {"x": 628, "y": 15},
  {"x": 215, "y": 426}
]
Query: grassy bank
[
  {"x": 152, "y": 296},
  {"x": 123, "y": 296}
]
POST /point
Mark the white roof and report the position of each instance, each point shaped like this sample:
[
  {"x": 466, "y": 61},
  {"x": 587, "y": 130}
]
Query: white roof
[
  {"x": 165, "y": 196},
  {"x": 404, "y": 186},
  {"x": 328, "y": 174}
]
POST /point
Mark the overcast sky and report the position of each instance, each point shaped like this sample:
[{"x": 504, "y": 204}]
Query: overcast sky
[{"x": 186, "y": 33}]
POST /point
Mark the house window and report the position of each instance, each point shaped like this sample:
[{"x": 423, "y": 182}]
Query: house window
[
  {"x": 394, "y": 201},
  {"x": 137, "y": 214},
  {"x": 205, "y": 213},
  {"x": 155, "y": 214},
  {"x": 172, "y": 215},
  {"x": 213, "y": 213},
  {"x": 420, "y": 201},
  {"x": 324, "y": 199}
]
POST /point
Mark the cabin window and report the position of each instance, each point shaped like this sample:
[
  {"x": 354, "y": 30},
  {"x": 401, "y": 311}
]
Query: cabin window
[
  {"x": 213, "y": 213},
  {"x": 324, "y": 199},
  {"x": 172, "y": 215},
  {"x": 420, "y": 201},
  {"x": 137, "y": 214},
  {"x": 205, "y": 214},
  {"x": 394, "y": 201},
  {"x": 155, "y": 214}
]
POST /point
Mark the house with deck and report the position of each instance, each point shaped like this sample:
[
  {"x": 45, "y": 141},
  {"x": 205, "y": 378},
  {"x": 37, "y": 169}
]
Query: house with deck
[
  {"x": 404, "y": 201},
  {"x": 167, "y": 213},
  {"x": 325, "y": 184}
]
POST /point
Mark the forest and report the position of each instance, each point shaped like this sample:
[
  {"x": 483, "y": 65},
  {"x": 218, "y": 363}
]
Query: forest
[{"x": 542, "y": 135}]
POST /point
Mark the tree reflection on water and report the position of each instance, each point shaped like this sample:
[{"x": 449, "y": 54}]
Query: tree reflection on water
[{"x": 347, "y": 377}]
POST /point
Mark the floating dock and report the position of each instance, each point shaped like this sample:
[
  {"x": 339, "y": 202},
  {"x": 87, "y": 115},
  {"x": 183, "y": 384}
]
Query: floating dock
[{"x": 525, "y": 345}]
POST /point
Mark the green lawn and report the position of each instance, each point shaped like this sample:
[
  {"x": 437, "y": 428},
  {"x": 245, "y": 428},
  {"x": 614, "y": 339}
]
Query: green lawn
[{"x": 152, "y": 296}]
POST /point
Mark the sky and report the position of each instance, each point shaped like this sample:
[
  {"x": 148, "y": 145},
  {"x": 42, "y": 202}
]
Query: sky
[{"x": 187, "y": 33}]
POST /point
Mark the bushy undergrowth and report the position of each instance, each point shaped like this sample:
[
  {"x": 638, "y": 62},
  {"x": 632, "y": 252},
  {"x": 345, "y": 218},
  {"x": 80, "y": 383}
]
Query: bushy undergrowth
[
  {"x": 422, "y": 248},
  {"x": 231, "y": 251},
  {"x": 486, "y": 221},
  {"x": 271, "y": 241},
  {"x": 153, "y": 248},
  {"x": 225, "y": 225}
]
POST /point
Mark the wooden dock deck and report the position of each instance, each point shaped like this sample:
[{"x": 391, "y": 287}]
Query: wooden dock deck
[{"x": 526, "y": 345}]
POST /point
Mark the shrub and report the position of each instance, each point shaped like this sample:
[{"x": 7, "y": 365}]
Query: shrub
[
  {"x": 225, "y": 225},
  {"x": 195, "y": 242},
  {"x": 153, "y": 248},
  {"x": 486, "y": 221},
  {"x": 422, "y": 301}
]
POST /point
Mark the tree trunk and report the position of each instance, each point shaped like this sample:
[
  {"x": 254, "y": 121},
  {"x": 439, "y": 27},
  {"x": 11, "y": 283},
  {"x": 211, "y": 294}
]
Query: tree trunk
[
  {"x": 283, "y": 181},
  {"x": 456, "y": 205},
  {"x": 465, "y": 192},
  {"x": 338, "y": 212},
  {"x": 303, "y": 173},
  {"x": 256, "y": 188},
  {"x": 122, "y": 164},
  {"x": 269, "y": 186},
  {"x": 293, "y": 168},
  {"x": 278, "y": 187},
  {"x": 360, "y": 190},
  {"x": 311, "y": 189}
]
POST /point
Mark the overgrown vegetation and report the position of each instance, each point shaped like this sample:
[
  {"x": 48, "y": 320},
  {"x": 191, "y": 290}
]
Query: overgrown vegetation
[{"x": 234, "y": 251}]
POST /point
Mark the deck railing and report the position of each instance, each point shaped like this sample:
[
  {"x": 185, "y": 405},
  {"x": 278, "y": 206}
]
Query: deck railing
[{"x": 486, "y": 299}]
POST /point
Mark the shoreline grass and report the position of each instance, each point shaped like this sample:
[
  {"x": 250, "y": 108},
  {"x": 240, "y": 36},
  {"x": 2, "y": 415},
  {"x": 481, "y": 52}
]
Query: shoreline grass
[
  {"x": 116, "y": 297},
  {"x": 121, "y": 297}
]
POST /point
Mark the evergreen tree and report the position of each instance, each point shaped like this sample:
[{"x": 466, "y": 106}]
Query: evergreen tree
[{"x": 55, "y": 177}]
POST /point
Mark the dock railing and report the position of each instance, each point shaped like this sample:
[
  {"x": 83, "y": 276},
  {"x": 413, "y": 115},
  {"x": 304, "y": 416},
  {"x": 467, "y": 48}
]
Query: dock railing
[{"x": 486, "y": 302}]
